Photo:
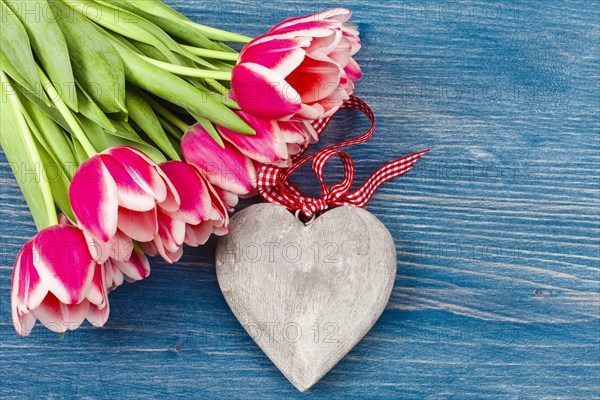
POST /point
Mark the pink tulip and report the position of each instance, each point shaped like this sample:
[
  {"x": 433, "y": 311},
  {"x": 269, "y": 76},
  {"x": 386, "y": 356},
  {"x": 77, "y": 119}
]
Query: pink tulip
[
  {"x": 202, "y": 209},
  {"x": 123, "y": 261},
  {"x": 114, "y": 196},
  {"x": 168, "y": 243},
  {"x": 201, "y": 213},
  {"x": 302, "y": 69},
  {"x": 56, "y": 280},
  {"x": 230, "y": 199},
  {"x": 119, "y": 247},
  {"x": 132, "y": 270},
  {"x": 274, "y": 141},
  {"x": 225, "y": 168}
]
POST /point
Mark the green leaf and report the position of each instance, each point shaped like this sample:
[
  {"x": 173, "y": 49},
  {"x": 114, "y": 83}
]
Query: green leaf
[
  {"x": 152, "y": 52},
  {"x": 16, "y": 58},
  {"x": 125, "y": 131},
  {"x": 226, "y": 101},
  {"x": 49, "y": 45},
  {"x": 80, "y": 153},
  {"x": 66, "y": 112},
  {"x": 143, "y": 115},
  {"x": 179, "y": 25},
  {"x": 223, "y": 46},
  {"x": 176, "y": 90},
  {"x": 120, "y": 20},
  {"x": 125, "y": 23},
  {"x": 122, "y": 41},
  {"x": 52, "y": 137},
  {"x": 210, "y": 128},
  {"x": 96, "y": 64},
  {"x": 118, "y": 116},
  {"x": 172, "y": 130},
  {"x": 20, "y": 150},
  {"x": 216, "y": 85},
  {"x": 90, "y": 109},
  {"x": 95, "y": 133},
  {"x": 187, "y": 61},
  {"x": 127, "y": 136},
  {"x": 149, "y": 7},
  {"x": 166, "y": 18},
  {"x": 220, "y": 97},
  {"x": 20, "y": 83},
  {"x": 149, "y": 150},
  {"x": 47, "y": 107}
]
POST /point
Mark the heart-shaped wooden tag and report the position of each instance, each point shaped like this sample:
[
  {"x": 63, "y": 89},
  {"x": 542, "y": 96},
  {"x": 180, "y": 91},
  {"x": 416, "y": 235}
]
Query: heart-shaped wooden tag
[{"x": 306, "y": 294}]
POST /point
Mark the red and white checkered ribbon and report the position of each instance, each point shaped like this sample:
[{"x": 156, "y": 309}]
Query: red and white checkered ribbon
[{"x": 274, "y": 186}]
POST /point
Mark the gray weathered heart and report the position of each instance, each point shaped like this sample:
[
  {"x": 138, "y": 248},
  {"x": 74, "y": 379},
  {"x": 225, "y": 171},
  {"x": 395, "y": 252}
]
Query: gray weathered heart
[{"x": 306, "y": 294}]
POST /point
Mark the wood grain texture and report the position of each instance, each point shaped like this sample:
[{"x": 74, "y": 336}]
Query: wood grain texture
[
  {"x": 306, "y": 294},
  {"x": 497, "y": 230}
]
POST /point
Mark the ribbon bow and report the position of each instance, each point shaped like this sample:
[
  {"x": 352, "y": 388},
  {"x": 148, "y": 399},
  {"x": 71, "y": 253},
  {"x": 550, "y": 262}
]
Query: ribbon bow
[{"x": 274, "y": 186}]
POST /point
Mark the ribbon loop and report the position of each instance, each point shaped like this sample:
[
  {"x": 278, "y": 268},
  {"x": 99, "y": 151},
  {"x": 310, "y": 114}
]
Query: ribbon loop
[
  {"x": 274, "y": 185},
  {"x": 332, "y": 193}
]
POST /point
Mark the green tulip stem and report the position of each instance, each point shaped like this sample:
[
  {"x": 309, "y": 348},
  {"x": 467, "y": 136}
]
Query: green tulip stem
[
  {"x": 216, "y": 85},
  {"x": 217, "y": 34},
  {"x": 187, "y": 71},
  {"x": 32, "y": 150},
  {"x": 66, "y": 113},
  {"x": 214, "y": 54},
  {"x": 168, "y": 115},
  {"x": 170, "y": 129}
]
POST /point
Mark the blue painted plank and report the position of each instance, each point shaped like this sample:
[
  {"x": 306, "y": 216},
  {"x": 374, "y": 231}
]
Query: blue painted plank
[{"x": 497, "y": 229}]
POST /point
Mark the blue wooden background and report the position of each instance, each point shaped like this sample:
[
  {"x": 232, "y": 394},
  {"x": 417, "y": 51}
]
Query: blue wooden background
[{"x": 497, "y": 229}]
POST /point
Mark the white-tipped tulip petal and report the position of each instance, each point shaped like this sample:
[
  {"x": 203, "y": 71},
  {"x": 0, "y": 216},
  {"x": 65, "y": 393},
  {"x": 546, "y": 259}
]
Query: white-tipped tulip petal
[
  {"x": 63, "y": 262},
  {"x": 60, "y": 317},
  {"x": 93, "y": 195}
]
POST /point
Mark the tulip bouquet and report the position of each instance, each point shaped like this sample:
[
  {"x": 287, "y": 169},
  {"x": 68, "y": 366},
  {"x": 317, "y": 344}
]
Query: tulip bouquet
[{"x": 142, "y": 129}]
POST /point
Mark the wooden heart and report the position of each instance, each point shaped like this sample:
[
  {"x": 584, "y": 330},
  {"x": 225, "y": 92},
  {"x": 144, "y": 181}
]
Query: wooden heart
[{"x": 306, "y": 294}]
